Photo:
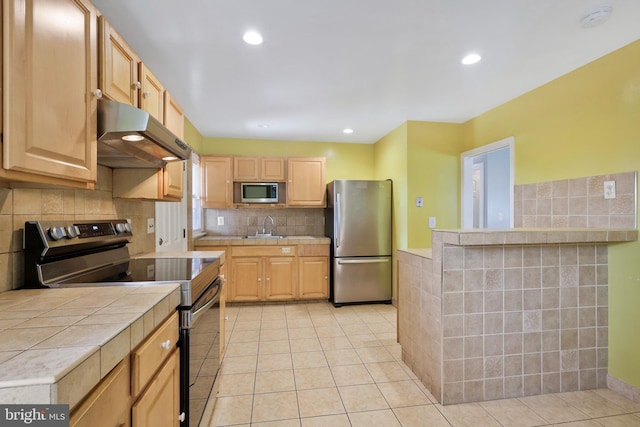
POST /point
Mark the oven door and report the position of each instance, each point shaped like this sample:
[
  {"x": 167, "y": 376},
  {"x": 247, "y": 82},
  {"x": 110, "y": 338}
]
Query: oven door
[{"x": 204, "y": 350}]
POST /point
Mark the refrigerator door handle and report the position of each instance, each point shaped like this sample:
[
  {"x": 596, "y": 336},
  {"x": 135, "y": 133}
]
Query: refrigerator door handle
[
  {"x": 337, "y": 212},
  {"x": 362, "y": 261}
]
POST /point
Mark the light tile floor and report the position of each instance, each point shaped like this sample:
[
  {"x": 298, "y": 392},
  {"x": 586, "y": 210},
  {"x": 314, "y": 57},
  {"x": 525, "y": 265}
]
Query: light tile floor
[{"x": 308, "y": 365}]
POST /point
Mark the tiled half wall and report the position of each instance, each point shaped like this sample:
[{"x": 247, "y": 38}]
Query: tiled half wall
[
  {"x": 506, "y": 320},
  {"x": 577, "y": 203}
]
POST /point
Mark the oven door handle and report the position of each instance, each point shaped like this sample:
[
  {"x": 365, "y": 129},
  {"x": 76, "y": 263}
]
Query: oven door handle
[{"x": 196, "y": 314}]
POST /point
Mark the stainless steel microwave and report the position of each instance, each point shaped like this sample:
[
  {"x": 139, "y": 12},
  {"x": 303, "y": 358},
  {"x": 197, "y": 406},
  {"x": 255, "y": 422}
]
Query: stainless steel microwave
[{"x": 259, "y": 192}]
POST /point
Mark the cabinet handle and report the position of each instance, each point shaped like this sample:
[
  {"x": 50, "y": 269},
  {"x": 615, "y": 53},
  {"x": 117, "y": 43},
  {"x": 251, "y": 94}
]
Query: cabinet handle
[
  {"x": 268, "y": 279},
  {"x": 259, "y": 279},
  {"x": 146, "y": 94},
  {"x": 137, "y": 85},
  {"x": 166, "y": 345},
  {"x": 182, "y": 417},
  {"x": 97, "y": 93}
]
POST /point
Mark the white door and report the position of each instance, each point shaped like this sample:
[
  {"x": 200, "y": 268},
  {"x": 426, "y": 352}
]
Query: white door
[{"x": 171, "y": 223}]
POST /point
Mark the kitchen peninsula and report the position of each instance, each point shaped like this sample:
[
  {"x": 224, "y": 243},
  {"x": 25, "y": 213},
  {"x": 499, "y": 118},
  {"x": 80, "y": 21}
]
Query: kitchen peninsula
[{"x": 490, "y": 314}]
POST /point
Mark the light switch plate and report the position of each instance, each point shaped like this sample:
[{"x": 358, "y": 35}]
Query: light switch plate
[
  {"x": 432, "y": 222},
  {"x": 220, "y": 220},
  {"x": 151, "y": 225}
]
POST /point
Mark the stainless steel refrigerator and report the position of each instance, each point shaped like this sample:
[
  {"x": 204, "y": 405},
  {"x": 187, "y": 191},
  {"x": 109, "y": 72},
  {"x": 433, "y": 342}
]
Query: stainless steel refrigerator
[{"x": 358, "y": 221}]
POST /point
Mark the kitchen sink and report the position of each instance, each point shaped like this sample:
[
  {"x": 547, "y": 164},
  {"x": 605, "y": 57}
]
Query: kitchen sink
[{"x": 263, "y": 236}]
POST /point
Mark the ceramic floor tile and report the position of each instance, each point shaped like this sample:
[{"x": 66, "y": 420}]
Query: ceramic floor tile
[
  {"x": 386, "y": 371},
  {"x": 310, "y": 359},
  {"x": 384, "y": 418},
  {"x": 365, "y": 340},
  {"x": 628, "y": 420},
  {"x": 313, "y": 378},
  {"x": 274, "y": 381},
  {"x": 279, "y": 423},
  {"x": 374, "y": 354},
  {"x": 275, "y": 406},
  {"x": 274, "y": 334},
  {"x": 239, "y": 365},
  {"x": 512, "y": 412},
  {"x": 345, "y": 356},
  {"x": 302, "y": 345},
  {"x": 618, "y": 399},
  {"x": 329, "y": 331},
  {"x": 355, "y": 328},
  {"x": 367, "y": 397},
  {"x": 553, "y": 409},
  {"x": 592, "y": 404},
  {"x": 242, "y": 349},
  {"x": 403, "y": 393},
  {"x": 232, "y": 410},
  {"x": 585, "y": 423},
  {"x": 351, "y": 375},
  {"x": 423, "y": 415},
  {"x": 274, "y": 362},
  {"x": 299, "y": 333},
  {"x": 328, "y": 420},
  {"x": 274, "y": 347},
  {"x": 468, "y": 415},
  {"x": 247, "y": 325},
  {"x": 236, "y": 384},
  {"x": 320, "y": 401},
  {"x": 244, "y": 336},
  {"x": 335, "y": 343}
]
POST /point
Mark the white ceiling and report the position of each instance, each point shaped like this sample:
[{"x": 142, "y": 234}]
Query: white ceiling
[{"x": 365, "y": 64}]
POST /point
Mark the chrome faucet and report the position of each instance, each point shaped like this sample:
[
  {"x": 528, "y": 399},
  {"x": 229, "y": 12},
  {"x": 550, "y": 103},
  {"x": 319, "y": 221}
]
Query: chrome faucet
[{"x": 264, "y": 222}]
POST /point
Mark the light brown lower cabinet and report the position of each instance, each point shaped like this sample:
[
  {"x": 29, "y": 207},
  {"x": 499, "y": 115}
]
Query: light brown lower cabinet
[
  {"x": 314, "y": 277},
  {"x": 108, "y": 405},
  {"x": 159, "y": 404}
]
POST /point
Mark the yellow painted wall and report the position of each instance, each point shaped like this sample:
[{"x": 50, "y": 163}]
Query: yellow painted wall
[
  {"x": 344, "y": 161},
  {"x": 192, "y": 136},
  {"x": 581, "y": 124},
  {"x": 433, "y": 173}
]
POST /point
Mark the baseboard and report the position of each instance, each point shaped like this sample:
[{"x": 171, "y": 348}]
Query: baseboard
[{"x": 627, "y": 390}]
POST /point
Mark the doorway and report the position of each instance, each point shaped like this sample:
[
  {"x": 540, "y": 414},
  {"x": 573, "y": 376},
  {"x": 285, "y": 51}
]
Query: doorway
[
  {"x": 171, "y": 222},
  {"x": 487, "y": 185}
]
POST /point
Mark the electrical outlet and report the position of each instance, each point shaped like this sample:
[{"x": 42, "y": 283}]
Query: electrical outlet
[
  {"x": 419, "y": 202},
  {"x": 220, "y": 220},
  {"x": 432, "y": 222},
  {"x": 151, "y": 225},
  {"x": 609, "y": 189}
]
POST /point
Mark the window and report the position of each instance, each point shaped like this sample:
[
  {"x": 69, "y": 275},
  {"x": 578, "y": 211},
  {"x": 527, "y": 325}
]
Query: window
[{"x": 196, "y": 206}]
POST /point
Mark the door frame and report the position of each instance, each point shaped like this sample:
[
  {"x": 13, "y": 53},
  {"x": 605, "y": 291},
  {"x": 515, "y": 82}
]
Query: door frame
[{"x": 466, "y": 178}]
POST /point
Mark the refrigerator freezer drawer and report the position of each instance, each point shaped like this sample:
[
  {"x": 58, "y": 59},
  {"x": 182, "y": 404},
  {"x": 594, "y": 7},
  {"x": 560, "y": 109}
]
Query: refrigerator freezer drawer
[{"x": 364, "y": 279}]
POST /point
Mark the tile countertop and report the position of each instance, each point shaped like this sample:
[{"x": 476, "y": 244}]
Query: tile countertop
[
  {"x": 57, "y": 344},
  {"x": 184, "y": 254},
  {"x": 523, "y": 236},
  {"x": 210, "y": 240}
]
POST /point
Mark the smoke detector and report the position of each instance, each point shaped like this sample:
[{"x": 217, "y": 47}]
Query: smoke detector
[{"x": 596, "y": 16}]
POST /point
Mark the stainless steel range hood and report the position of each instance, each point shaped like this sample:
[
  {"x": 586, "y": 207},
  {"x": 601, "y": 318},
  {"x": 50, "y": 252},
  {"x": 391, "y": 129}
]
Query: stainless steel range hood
[{"x": 129, "y": 137}]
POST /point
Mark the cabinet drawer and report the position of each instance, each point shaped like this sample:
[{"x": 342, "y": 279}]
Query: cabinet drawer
[
  {"x": 108, "y": 405},
  {"x": 263, "y": 251},
  {"x": 313, "y": 250},
  {"x": 149, "y": 356}
]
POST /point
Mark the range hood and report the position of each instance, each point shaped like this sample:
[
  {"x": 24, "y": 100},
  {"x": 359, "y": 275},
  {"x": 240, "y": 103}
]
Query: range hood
[{"x": 129, "y": 137}]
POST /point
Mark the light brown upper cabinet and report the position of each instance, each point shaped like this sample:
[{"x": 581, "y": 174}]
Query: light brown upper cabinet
[
  {"x": 49, "y": 80},
  {"x": 306, "y": 184},
  {"x": 119, "y": 66},
  {"x": 217, "y": 187},
  {"x": 267, "y": 169},
  {"x": 173, "y": 172},
  {"x": 151, "y": 94}
]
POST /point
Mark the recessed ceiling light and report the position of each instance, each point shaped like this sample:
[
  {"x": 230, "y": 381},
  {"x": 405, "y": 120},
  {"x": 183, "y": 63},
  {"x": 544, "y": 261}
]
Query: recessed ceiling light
[
  {"x": 470, "y": 59},
  {"x": 348, "y": 130},
  {"x": 251, "y": 37}
]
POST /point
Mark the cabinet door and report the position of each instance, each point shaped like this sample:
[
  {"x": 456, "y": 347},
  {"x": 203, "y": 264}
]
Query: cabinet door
[
  {"x": 216, "y": 182},
  {"x": 173, "y": 115},
  {"x": 151, "y": 94},
  {"x": 272, "y": 169},
  {"x": 50, "y": 77},
  {"x": 305, "y": 181},
  {"x": 246, "y": 169},
  {"x": 159, "y": 405},
  {"x": 246, "y": 280},
  {"x": 280, "y": 277},
  {"x": 118, "y": 66},
  {"x": 173, "y": 181},
  {"x": 314, "y": 277}
]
